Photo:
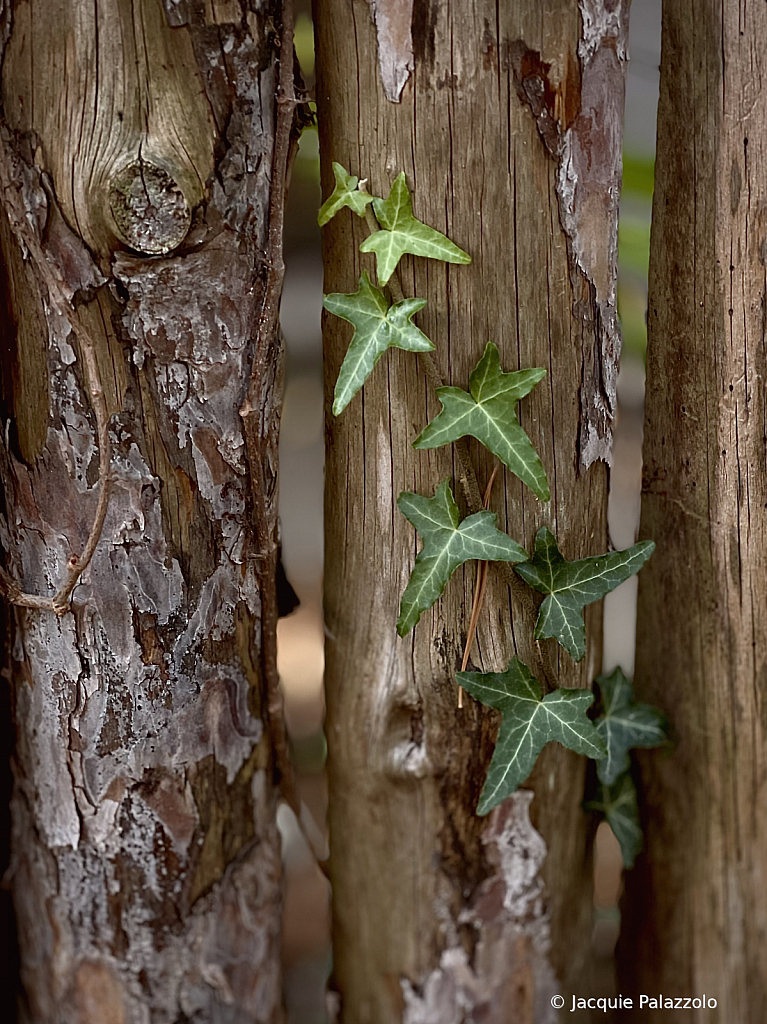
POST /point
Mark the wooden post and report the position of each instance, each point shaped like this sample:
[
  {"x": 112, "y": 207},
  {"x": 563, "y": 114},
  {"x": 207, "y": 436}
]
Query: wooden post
[
  {"x": 695, "y": 911},
  {"x": 508, "y": 124},
  {"x": 136, "y": 155}
]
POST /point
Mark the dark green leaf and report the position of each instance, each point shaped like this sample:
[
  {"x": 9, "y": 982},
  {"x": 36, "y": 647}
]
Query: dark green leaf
[
  {"x": 529, "y": 722},
  {"x": 624, "y": 724},
  {"x": 570, "y": 586},
  {"x": 488, "y": 411},
  {"x": 618, "y": 804},
  {"x": 447, "y": 543},
  {"x": 378, "y": 326},
  {"x": 402, "y": 233},
  {"x": 346, "y": 193}
]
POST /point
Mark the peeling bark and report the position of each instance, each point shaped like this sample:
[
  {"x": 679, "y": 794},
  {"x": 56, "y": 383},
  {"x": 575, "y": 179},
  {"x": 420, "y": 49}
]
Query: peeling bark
[
  {"x": 395, "y": 43},
  {"x": 507, "y": 912},
  {"x": 578, "y": 108},
  {"x": 440, "y": 915},
  {"x": 146, "y": 866}
]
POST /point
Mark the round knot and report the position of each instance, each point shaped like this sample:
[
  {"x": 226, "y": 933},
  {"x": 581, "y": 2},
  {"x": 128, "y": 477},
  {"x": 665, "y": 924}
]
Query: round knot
[{"x": 149, "y": 209}]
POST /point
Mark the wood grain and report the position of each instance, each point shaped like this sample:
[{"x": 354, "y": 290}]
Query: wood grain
[
  {"x": 440, "y": 915},
  {"x": 696, "y": 905},
  {"x": 134, "y": 93}
]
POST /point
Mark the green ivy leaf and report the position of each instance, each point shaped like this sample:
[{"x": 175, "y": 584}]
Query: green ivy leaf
[
  {"x": 618, "y": 804},
  {"x": 623, "y": 724},
  {"x": 403, "y": 233},
  {"x": 344, "y": 194},
  {"x": 570, "y": 586},
  {"x": 488, "y": 411},
  {"x": 447, "y": 543},
  {"x": 529, "y": 722},
  {"x": 378, "y": 326}
]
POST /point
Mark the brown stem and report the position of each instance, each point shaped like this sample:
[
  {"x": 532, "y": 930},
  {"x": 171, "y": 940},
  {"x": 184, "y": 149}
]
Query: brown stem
[
  {"x": 76, "y": 566},
  {"x": 57, "y": 293},
  {"x": 479, "y": 593}
]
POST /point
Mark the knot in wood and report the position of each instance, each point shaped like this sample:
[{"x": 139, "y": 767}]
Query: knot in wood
[{"x": 150, "y": 211}]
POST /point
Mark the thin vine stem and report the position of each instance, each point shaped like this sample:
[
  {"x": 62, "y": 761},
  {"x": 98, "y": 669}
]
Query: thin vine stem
[
  {"x": 77, "y": 564},
  {"x": 479, "y": 593}
]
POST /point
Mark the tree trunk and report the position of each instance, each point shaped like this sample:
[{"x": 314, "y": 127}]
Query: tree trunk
[
  {"x": 695, "y": 912},
  {"x": 137, "y": 151},
  {"x": 507, "y": 123}
]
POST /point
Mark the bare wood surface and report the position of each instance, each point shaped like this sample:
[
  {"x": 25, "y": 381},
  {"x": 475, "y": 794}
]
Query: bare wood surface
[
  {"x": 146, "y": 863},
  {"x": 695, "y": 911},
  {"x": 439, "y": 915}
]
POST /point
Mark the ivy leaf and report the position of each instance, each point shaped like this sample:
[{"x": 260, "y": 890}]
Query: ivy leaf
[
  {"x": 618, "y": 804},
  {"x": 344, "y": 194},
  {"x": 378, "y": 326},
  {"x": 623, "y": 724},
  {"x": 570, "y": 586},
  {"x": 447, "y": 543},
  {"x": 403, "y": 233},
  {"x": 529, "y": 722},
  {"x": 488, "y": 411}
]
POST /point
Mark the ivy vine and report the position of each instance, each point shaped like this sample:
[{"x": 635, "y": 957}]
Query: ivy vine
[{"x": 604, "y": 724}]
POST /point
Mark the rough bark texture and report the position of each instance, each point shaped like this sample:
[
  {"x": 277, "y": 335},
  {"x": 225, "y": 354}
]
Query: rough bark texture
[
  {"x": 696, "y": 905},
  {"x": 146, "y": 867},
  {"x": 439, "y": 915}
]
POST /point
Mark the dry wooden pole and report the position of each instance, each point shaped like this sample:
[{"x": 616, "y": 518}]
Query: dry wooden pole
[
  {"x": 138, "y": 148},
  {"x": 507, "y": 122},
  {"x": 695, "y": 912}
]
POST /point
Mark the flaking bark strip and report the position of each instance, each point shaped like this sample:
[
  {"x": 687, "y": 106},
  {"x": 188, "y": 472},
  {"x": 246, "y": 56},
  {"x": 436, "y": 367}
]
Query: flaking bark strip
[
  {"x": 393, "y": 22},
  {"x": 579, "y": 119}
]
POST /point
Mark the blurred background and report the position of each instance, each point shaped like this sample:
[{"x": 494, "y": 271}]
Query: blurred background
[{"x": 307, "y": 953}]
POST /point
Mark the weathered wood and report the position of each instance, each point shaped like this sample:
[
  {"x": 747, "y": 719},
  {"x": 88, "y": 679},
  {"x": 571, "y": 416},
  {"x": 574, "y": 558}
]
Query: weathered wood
[
  {"x": 695, "y": 912},
  {"x": 146, "y": 866},
  {"x": 508, "y": 127}
]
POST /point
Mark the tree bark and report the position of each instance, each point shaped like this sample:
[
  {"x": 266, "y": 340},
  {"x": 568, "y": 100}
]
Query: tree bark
[
  {"x": 508, "y": 123},
  {"x": 137, "y": 152},
  {"x": 695, "y": 911}
]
